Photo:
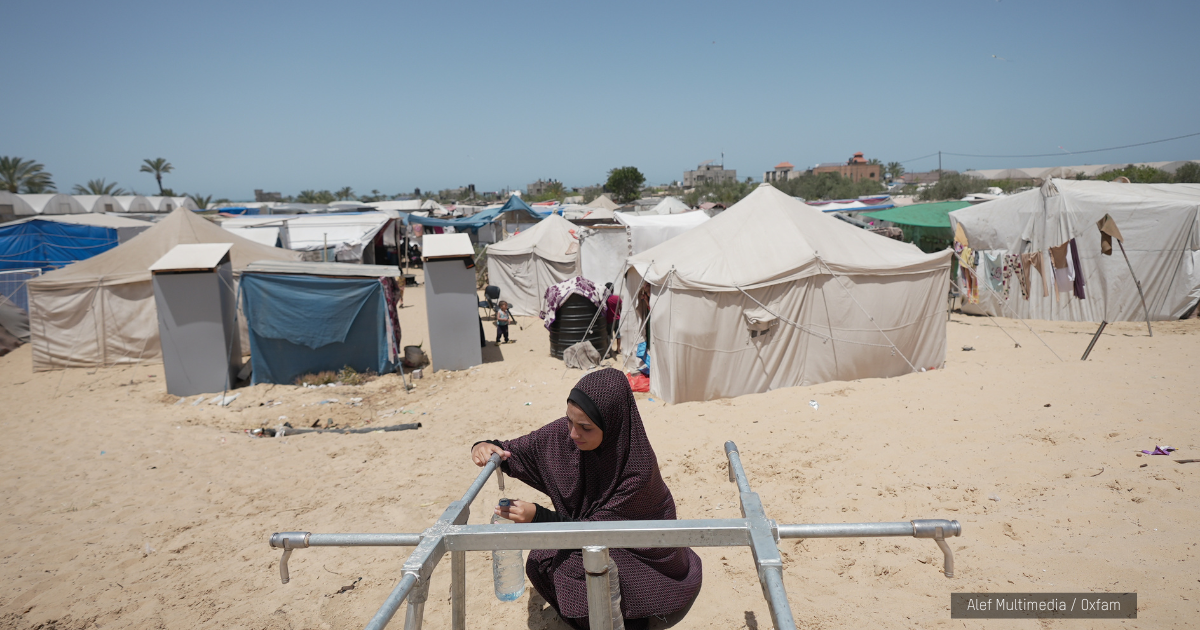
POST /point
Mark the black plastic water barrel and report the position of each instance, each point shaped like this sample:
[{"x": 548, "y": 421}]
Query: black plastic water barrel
[{"x": 571, "y": 324}]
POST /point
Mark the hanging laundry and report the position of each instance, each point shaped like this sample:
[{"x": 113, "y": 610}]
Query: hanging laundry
[
  {"x": 1108, "y": 231},
  {"x": 1078, "y": 279},
  {"x": 994, "y": 269},
  {"x": 1029, "y": 262},
  {"x": 1012, "y": 269},
  {"x": 1063, "y": 282}
]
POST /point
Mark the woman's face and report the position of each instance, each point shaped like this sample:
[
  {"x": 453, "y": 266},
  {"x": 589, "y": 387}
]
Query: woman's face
[{"x": 584, "y": 433}]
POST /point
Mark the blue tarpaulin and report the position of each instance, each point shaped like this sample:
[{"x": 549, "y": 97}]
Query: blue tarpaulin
[
  {"x": 306, "y": 324},
  {"x": 50, "y": 244},
  {"x": 476, "y": 221}
]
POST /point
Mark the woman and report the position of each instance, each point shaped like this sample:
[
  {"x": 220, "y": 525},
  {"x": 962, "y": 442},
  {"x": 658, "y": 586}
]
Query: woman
[{"x": 596, "y": 464}]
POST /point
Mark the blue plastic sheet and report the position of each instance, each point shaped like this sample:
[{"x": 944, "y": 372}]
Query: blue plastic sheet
[
  {"x": 307, "y": 324},
  {"x": 50, "y": 244},
  {"x": 476, "y": 221}
]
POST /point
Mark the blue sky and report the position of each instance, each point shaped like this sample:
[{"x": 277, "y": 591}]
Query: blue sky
[{"x": 397, "y": 95}]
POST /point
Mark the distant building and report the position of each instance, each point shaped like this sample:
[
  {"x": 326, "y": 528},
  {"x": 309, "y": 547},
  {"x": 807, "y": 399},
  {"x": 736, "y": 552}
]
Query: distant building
[
  {"x": 260, "y": 196},
  {"x": 783, "y": 172},
  {"x": 856, "y": 168},
  {"x": 708, "y": 172},
  {"x": 540, "y": 187},
  {"x": 927, "y": 177}
]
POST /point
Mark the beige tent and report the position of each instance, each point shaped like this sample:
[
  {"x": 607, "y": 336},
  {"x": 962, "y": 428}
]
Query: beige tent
[
  {"x": 773, "y": 293},
  {"x": 604, "y": 202},
  {"x": 100, "y": 311},
  {"x": 527, "y": 264}
]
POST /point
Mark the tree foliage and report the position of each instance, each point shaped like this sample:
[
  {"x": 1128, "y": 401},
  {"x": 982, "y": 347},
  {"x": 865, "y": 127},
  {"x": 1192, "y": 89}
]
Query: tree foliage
[
  {"x": 345, "y": 194},
  {"x": 1188, "y": 173},
  {"x": 313, "y": 196},
  {"x": 157, "y": 167},
  {"x": 725, "y": 193},
  {"x": 954, "y": 186},
  {"x": 624, "y": 183},
  {"x": 1138, "y": 175},
  {"x": 828, "y": 186},
  {"x": 894, "y": 170},
  {"x": 24, "y": 176},
  {"x": 98, "y": 187}
]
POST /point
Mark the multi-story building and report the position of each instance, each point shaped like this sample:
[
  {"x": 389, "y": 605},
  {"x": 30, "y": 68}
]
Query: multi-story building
[
  {"x": 539, "y": 187},
  {"x": 856, "y": 168},
  {"x": 783, "y": 172},
  {"x": 261, "y": 197},
  {"x": 708, "y": 172}
]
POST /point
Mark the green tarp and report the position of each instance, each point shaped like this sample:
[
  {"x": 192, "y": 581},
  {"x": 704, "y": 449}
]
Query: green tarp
[{"x": 926, "y": 225}]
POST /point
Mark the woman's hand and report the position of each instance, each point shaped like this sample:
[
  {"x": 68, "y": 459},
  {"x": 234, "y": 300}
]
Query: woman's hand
[
  {"x": 517, "y": 511},
  {"x": 483, "y": 452}
]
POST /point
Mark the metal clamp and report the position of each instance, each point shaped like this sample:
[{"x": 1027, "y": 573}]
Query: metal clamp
[{"x": 603, "y": 589}]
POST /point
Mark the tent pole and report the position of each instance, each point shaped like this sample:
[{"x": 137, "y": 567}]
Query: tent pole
[
  {"x": 1095, "y": 338},
  {"x": 1139, "y": 287}
]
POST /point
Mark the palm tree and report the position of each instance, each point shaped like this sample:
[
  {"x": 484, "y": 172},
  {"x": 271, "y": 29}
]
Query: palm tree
[
  {"x": 17, "y": 175},
  {"x": 157, "y": 166},
  {"x": 202, "y": 201},
  {"x": 344, "y": 194},
  {"x": 98, "y": 187},
  {"x": 556, "y": 190},
  {"x": 895, "y": 170}
]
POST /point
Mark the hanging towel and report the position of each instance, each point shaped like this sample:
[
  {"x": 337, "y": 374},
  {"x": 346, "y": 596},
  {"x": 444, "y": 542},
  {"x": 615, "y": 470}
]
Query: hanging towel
[
  {"x": 1108, "y": 231},
  {"x": 994, "y": 269},
  {"x": 1062, "y": 274},
  {"x": 1078, "y": 279},
  {"x": 1029, "y": 262}
]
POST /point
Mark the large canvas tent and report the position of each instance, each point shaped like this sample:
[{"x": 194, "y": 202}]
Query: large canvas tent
[
  {"x": 56, "y": 203},
  {"x": 648, "y": 231},
  {"x": 772, "y": 293},
  {"x": 98, "y": 203},
  {"x": 340, "y": 237},
  {"x": 1161, "y": 232},
  {"x": 527, "y": 264},
  {"x": 135, "y": 203},
  {"x": 101, "y": 311}
]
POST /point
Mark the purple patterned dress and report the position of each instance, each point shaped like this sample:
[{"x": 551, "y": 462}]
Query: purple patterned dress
[{"x": 617, "y": 481}]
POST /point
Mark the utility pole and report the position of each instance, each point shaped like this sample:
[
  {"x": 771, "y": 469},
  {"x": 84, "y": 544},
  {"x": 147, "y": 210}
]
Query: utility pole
[{"x": 939, "y": 166}]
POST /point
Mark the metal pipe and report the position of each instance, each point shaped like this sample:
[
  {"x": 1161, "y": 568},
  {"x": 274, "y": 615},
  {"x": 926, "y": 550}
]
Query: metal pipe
[
  {"x": 777, "y": 601},
  {"x": 1095, "y": 338},
  {"x": 415, "y": 615},
  {"x": 730, "y": 532},
  {"x": 736, "y": 473},
  {"x": 364, "y": 540},
  {"x": 845, "y": 530},
  {"x": 392, "y": 604},
  {"x": 603, "y": 612},
  {"x": 1139, "y": 287},
  {"x": 492, "y": 464},
  {"x": 458, "y": 590}
]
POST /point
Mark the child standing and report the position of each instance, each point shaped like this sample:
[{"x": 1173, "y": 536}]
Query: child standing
[{"x": 503, "y": 319}]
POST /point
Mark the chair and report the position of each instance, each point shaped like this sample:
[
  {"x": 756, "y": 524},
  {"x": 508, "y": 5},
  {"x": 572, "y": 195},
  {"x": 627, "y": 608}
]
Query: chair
[{"x": 491, "y": 296}]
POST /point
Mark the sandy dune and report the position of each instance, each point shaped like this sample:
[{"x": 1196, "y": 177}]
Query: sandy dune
[{"x": 122, "y": 509}]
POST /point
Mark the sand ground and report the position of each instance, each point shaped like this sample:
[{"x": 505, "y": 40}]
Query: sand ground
[{"x": 122, "y": 509}]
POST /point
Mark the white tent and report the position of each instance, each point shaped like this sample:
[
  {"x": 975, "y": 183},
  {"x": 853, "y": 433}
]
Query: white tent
[
  {"x": 135, "y": 203},
  {"x": 602, "y": 253},
  {"x": 100, "y": 311},
  {"x": 527, "y": 264},
  {"x": 650, "y": 230},
  {"x": 773, "y": 293},
  {"x": 164, "y": 204},
  {"x": 1162, "y": 237},
  {"x": 186, "y": 202},
  {"x": 670, "y": 205},
  {"x": 345, "y": 235},
  {"x": 56, "y": 203},
  {"x": 98, "y": 203},
  {"x": 12, "y": 205}
]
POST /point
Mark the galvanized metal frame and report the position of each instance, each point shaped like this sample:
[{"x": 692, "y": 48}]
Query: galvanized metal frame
[{"x": 450, "y": 534}]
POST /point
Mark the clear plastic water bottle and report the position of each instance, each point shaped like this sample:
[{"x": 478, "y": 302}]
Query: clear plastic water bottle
[{"x": 508, "y": 567}]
